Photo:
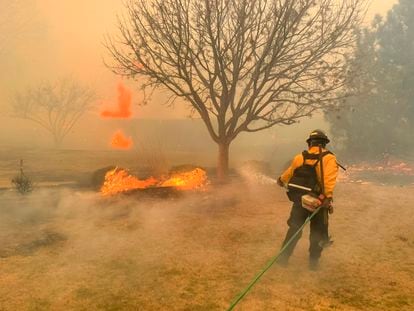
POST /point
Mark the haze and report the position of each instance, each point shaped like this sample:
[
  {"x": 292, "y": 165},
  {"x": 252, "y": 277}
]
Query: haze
[
  {"x": 138, "y": 209},
  {"x": 50, "y": 39}
]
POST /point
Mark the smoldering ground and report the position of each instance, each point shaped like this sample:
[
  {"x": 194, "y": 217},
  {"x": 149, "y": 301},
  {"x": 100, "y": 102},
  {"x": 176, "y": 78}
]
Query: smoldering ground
[{"x": 75, "y": 250}]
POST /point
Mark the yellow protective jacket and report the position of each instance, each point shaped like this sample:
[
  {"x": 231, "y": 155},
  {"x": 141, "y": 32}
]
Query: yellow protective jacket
[{"x": 330, "y": 169}]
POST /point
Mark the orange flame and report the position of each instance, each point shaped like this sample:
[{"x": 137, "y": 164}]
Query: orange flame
[
  {"x": 119, "y": 141},
  {"x": 124, "y": 105},
  {"x": 194, "y": 179},
  {"x": 120, "y": 181}
]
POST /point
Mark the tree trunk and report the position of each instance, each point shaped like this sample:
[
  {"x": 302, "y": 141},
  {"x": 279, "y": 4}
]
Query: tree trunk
[
  {"x": 223, "y": 161},
  {"x": 57, "y": 141}
]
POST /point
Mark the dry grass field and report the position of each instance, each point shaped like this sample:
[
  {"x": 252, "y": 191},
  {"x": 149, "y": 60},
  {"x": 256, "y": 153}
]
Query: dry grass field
[{"x": 68, "y": 249}]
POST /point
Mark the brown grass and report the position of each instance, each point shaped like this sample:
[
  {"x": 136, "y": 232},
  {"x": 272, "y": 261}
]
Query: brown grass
[{"x": 68, "y": 250}]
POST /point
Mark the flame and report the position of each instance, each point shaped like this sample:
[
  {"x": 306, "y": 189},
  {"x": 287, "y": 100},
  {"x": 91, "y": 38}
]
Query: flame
[
  {"x": 194, "y": 179},
  {"x": 120, "y": 141},
  {"x": 124, "y": 105},
  {"x": 120, "y": 181}
]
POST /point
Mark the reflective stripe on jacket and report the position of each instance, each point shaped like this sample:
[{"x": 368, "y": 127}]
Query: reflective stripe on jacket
[{"x": 330, "y": 169}]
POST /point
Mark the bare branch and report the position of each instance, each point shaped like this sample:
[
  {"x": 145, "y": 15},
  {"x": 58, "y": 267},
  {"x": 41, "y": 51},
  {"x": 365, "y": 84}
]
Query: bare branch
[
  {"x": 56, "y": 107},
  {"x": 241, "y": 65}
]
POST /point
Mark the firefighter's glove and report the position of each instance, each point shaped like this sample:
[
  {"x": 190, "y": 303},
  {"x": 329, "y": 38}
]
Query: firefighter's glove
[
  {"x": 327, "y": 203},
  {"x": 280, "y": 182}
]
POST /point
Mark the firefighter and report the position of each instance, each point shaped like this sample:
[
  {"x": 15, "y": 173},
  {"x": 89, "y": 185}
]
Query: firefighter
[{"x": 305, "y": 171}]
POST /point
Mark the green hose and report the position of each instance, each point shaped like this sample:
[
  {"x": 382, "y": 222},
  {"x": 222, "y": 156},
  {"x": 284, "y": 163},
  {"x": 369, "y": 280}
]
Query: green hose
[{"x": 271, "y": 262}]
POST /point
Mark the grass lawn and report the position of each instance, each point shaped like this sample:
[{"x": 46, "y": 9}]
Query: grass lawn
[{"x": 68, "y": 249}]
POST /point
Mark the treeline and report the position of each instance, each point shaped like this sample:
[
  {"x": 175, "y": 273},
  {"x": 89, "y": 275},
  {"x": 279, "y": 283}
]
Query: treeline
[{"x": 376, "y": 118}]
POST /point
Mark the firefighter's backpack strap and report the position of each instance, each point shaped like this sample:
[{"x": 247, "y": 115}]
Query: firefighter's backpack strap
[{"x": 314, "y": 156}]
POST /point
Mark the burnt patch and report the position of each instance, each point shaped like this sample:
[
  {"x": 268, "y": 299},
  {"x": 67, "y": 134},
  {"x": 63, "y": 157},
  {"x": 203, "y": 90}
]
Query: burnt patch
[
  {"x": 155, "y": 192},
  {"x": 46, "y": 239}
]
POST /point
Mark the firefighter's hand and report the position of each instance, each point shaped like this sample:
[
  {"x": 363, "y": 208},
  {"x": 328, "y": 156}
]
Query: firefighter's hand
[
  {"x": 327, "y": 203},
  {"x": 280, "y": 182}
]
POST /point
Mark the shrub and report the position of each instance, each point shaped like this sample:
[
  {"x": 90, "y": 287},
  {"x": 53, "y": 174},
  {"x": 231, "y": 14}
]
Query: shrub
[{"x": 21, "y": 182}]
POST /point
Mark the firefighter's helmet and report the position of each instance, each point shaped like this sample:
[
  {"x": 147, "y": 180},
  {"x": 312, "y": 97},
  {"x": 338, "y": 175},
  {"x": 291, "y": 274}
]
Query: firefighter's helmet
[{"x": 318, "y": 135}]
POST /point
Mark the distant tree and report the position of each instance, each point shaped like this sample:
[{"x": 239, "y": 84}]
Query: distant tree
[
  {"x": 349, "y": 116},
  {"x": 379, "y": 119},
  {"x": 54, "y": 106},
  {"x": 14, "y": 21},
  {"x": 242, "y": 65}
]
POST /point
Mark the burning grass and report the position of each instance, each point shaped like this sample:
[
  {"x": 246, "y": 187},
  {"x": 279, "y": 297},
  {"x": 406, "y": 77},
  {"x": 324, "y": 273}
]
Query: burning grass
[{"x": 120, "y": 181}]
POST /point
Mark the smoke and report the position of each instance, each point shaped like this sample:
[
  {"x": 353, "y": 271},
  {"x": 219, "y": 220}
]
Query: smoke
[
  {"x": 128, "y": 251},
  {"x": 256, "y": 178},
  {"x": 82, "y": 230},
  {"x": 78, "y": 222},
  {"x": 64, "y": 248}
]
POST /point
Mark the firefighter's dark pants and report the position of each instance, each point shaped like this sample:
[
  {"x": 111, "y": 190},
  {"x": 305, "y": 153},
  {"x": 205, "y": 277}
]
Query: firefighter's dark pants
[{"x": 318, "y": 230}]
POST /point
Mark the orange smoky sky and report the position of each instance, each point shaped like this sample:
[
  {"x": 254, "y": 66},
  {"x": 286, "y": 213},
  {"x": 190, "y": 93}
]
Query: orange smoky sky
[
  {"x": 123, "y": 108},
  {"x": 120, "y": 141},
  {"x": 70, "y": 43}
]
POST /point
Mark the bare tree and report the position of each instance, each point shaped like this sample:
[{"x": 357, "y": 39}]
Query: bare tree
[
  {"x": 242, "y": 65},
  {"x": 54, "y": 106},
  {"x": 14, "y": 21}
]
